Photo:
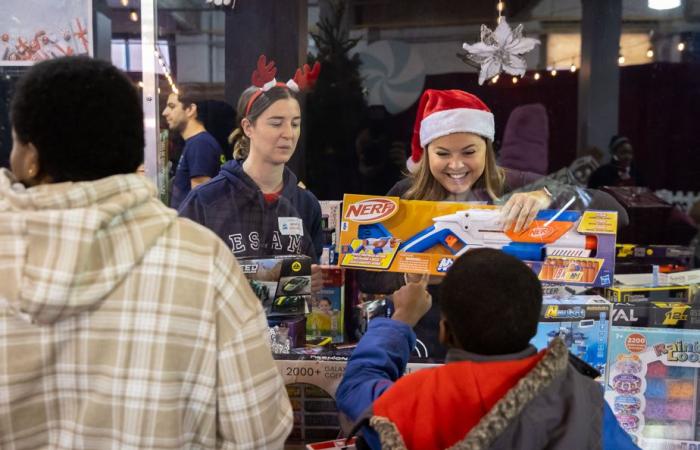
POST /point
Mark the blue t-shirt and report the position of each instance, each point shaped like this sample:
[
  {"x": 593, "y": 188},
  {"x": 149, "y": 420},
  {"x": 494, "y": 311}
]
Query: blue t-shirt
[{"x": 201, "y": 157}]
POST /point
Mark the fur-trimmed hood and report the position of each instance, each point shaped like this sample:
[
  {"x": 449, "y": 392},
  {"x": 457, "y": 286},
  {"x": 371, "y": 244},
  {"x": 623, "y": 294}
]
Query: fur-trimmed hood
[{"x": 551, "y": 406}]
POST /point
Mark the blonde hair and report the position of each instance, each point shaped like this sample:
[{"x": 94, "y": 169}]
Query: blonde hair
[
  {"x": 424, "y": 186},
  {"x": 241, "y": 142}
]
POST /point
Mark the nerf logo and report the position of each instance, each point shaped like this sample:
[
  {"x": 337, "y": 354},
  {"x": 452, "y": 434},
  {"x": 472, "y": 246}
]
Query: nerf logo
[
  {"x": 541, "y": 232},
  {"x": 371, "y": 210}
]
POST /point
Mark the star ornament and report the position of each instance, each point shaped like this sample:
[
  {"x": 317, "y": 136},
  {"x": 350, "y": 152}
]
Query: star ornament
[{"x": 500, "y": 50}]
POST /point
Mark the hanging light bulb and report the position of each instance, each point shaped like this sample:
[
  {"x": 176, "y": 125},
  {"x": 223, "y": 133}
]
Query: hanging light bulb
[
  {"x": 536, "y": 76},
  {"x": 664, "y": 4},
  {"x": 572, "y": 68},
  {"x": 650, "y": 53},
  {"x": 554, "y": 72},
  {"x": 515, "y": 80},
  {"x": 681, "y": 46},
  {"x": 133, "y": 15},
  {"x": 621, "y": 59},
  {"x": 125, "y": 3},
  {"x": 495, "y": 79}
]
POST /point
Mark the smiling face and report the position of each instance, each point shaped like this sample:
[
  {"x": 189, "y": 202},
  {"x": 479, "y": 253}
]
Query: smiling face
[
  {"x": 457, "y": 161},
  {"x": 325, "y": 306},
  {"x": 274, "y": 136}
]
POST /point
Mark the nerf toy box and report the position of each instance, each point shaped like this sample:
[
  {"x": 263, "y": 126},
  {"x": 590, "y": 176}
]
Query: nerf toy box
[
  {"x": 282, "y": 283},
  {"x": 653, "y": 382},
  {"x": 415, "y": 236},
  {"x": 582, "y": 322},
  {"x": 635, "y": 294},
  {"x": 325, "y": 322}
]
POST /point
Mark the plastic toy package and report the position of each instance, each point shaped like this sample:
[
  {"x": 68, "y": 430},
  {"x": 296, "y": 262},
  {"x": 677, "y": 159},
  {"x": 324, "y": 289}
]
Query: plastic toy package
[
  {"x": 653, "y": 382},
  {"x": 325, "y": 322},
  {"x": 582, "y": 322},
  {"x": 282, "y": 283},
  {"x": 414, "y": 236}
]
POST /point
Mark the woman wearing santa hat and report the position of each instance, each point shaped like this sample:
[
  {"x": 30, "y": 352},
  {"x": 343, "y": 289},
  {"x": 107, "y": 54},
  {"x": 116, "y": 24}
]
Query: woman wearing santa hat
[{"x": 452, "y": 159}]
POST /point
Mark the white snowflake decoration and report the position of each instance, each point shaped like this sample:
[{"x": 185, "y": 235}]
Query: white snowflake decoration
[{"x": 500, "y": 50}]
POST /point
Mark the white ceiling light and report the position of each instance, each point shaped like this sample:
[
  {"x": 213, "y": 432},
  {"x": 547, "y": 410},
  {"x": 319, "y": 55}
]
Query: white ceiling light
[{"x": 664, "y": 4}]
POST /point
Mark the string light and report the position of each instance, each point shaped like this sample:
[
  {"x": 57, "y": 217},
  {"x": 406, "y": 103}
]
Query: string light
[
  {"x": 536, "y": 76},
  {"x": 572, "y": 68},
  {"x": 621, "y": 59},
  {"x": 515, "y": 80},
  {"x": 125, "y": 3},
  {"x": 500, "y": 6},
  {"x": 133, "y": 15},
  {"x": 166, "y": 72},
  {"x": 494, "y": 80},
  {"x": 681, "y": 46},
  {"x": 554, "y": 72}
]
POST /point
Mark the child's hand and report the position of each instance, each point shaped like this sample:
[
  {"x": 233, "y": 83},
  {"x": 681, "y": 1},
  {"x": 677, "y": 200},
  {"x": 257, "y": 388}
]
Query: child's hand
[
  {"x": 316, "y": 278},
  {"x": 411, "y": 302}
]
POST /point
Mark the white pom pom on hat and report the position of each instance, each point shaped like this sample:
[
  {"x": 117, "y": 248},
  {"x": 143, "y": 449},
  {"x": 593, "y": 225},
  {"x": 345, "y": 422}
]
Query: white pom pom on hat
[{"x": 445, "y": 112}]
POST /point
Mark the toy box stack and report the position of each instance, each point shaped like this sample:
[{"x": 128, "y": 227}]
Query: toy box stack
[
  {"x": 582, "y": 322},
  {"x": 394, "y": 235},
  {"x": 653, "y": 382},
  {"x": 283, "y": 285}
]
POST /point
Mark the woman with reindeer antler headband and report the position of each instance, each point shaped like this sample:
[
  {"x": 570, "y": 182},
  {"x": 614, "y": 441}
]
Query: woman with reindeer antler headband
[{"x": 255, "y": 204}]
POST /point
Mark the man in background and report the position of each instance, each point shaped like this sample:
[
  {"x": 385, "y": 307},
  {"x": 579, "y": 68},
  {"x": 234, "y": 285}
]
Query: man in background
[{"x": 201, "y": 156}]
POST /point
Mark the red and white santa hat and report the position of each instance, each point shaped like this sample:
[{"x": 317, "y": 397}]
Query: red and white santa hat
[{"x": 445, "y": 112}]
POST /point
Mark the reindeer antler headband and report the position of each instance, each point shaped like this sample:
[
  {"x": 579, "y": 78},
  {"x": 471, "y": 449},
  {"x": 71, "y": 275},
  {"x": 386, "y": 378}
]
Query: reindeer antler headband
[{"x": 264, "y": 78}]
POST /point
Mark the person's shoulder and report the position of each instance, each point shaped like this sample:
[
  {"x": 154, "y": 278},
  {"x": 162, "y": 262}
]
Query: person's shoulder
[
  {"x": 215, "y": 190},
  {"x": 515, "y": 178},
  {"x": 204, "y": 139},
  {"x": 400, "y": 188}
]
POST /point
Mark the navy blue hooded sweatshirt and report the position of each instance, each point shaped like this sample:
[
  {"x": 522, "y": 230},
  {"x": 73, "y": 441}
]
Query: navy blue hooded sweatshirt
[{"x": 233, "y": 207}]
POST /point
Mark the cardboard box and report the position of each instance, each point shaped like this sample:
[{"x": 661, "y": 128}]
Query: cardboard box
[
  {"x": 635, "y": 294},
  {"x": 656, "y": 314},
  {"x": 394, "y": 235},
  {"x": 582, "y": 322},
  {"x": 311, "y": 386},
  {"x": 653, "y": 385}
]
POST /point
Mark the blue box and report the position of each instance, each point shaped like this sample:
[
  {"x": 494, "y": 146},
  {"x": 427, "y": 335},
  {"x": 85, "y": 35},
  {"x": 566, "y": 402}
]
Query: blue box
[
  {"x": 653, "y": 385},
  {"x": 582, "y": 322}
]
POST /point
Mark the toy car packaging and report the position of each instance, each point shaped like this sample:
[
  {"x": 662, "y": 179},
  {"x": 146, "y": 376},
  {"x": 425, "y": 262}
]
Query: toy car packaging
[
  {"x": 282, "y": 283},
  {"x": 653, "y": 382},
  {"x": 415, "y": 236},
  {"x": 582, "y": 322}
]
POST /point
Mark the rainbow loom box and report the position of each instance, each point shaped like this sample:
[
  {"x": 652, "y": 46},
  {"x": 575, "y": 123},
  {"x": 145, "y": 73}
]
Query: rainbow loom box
[{"x": 654, "y": 380}]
